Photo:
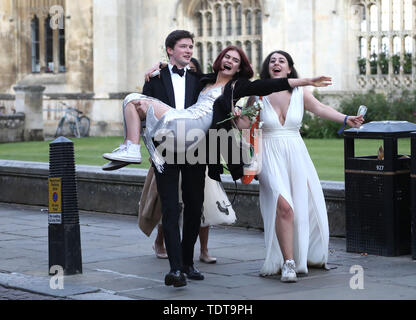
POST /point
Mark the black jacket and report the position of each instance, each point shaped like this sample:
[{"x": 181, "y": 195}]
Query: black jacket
[
  {"x": 222, "y": 108},
  {"x": 162, "y": 88}
]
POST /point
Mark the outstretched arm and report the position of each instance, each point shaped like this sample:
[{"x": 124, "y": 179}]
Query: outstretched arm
[
  {"x": 264, "y": 87},
  {"x": 316, "y": 107},
  {"x": 321, "y": 81}
]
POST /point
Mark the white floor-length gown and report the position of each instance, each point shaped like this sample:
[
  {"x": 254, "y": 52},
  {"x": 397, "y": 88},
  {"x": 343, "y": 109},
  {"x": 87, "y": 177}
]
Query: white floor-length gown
[{"x": 287, "y": 170}]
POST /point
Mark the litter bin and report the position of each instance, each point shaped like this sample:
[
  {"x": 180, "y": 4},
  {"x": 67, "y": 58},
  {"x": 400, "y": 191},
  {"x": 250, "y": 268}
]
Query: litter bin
[
  {"x": 413, "y": 192},
  {"x": 377, "y": 192}
]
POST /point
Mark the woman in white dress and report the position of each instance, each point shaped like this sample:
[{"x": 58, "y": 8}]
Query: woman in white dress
[{"x": 292, "y": 203}]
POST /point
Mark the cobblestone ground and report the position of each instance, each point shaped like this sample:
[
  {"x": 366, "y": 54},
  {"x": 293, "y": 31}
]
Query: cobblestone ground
[{"x": 14, "y": 294}]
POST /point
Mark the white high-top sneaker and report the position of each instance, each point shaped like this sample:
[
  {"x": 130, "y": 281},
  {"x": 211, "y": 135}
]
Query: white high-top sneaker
[
  {"x": 289, "y": 271},
  {"x": 126, "y": 153}
]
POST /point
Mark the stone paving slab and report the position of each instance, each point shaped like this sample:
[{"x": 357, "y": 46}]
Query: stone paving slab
[{"x": 119, "y": 263}]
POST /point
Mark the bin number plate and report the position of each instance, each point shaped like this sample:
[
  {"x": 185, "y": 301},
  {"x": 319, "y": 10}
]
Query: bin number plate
[{"x": 380, "y": 168}]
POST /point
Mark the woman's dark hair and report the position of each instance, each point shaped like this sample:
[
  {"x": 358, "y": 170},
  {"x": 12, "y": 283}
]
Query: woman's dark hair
[
  {"x": 265, "y": 74},
  {"x": 198, "y": 70},
  {"x": 245, "y": 68},
  {"x": 175, "y": 36}
]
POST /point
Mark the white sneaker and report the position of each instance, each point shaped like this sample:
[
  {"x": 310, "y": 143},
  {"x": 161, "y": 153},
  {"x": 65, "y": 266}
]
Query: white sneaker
[
  {"x": 289, "y": 271},
  {"x": 126, "y": 153}
]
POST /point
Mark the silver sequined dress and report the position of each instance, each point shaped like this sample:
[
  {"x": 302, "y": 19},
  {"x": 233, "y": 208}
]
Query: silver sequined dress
[{"x": 177, "y": 130}]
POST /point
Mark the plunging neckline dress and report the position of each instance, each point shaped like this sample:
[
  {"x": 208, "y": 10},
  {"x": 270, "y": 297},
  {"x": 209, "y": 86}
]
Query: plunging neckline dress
[{"x": 287, "y": 170}]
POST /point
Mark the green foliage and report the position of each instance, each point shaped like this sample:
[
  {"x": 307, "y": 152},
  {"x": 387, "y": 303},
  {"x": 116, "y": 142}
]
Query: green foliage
[
  {"x": 383, "y": 62},
  {"x": 362, "y": 65},
  {"x": 382, "y": 59},
  {"x": 407, "y": 65},
  {"x": 373, "y": 63},
  {"x": 381, "y": 107},
  {"x": 396, "y": 63}
]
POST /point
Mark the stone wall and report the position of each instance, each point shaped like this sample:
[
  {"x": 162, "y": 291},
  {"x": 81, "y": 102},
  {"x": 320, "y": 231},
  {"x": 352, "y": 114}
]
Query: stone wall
[
  {"x": 12, "y": 127},
  {"x": 118, "y": 192}
]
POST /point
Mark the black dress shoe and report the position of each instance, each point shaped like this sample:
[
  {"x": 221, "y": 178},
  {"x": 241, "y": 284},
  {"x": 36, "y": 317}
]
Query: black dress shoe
[
  {"x": 193, "y": 273},
  {"x": 175, "y": 278},
  {"x": 114, "y": 165}
]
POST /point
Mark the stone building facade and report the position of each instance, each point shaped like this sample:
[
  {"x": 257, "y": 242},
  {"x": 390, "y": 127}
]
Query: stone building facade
[{"x": 90, "y": 53}]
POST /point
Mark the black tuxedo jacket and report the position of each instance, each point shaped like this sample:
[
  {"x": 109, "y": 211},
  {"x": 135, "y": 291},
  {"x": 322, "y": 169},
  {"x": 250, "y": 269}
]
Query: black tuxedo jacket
[{"x": 162, "y": 88}]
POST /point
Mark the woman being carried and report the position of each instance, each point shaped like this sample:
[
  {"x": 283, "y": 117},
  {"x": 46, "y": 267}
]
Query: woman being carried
[{"x": 165, "y": 121}]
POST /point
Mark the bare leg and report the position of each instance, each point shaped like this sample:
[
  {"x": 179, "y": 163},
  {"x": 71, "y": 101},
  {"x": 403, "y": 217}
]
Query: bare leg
[
  {"x": 159, "y": 245},
  {"x": 203, "y": 239},
  {"x": 284, "y": 228},
  {"x": 143, "y": 105},
  {"x": 133, "y": 123},
  {"x": 136, "y": 111}
]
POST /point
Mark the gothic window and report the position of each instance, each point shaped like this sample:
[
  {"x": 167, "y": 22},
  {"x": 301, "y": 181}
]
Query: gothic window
[
  {"x": 200, "y": 28},
  {"x": 259, "y": 22},
  {"x": 396, "y": 15},
  {"x": 218, "y": 13},
  {"x": 248, "y": 50},
  {"x": 47, "y": 38},
  {"x": 209, "y": 24},
  {"x": 374, "y": 46},
  {"x": 385, "y": 46},
  {"x": 259, "y": 55},
  {"x": 200, "y": 53},
  {"x": 363, "y": 25},
  {"x": 373, "y": 18},
  {"x": 48, "y": 45},
  {"x": 385, "y": 18},
  {"x": 229, "y": 20},
  {"x": 61, "y": 40},
  {"x": 363, "y": 47},
  {"x": 210, "y": 54},
  {"x": 408, "y": 44},
  {"x": 387, "y": 39},
  {"x": 238, "y": 18},
  {"x": 219, "y": 48},
  {"x": 396, "y": 45},
  {"x": 408, "y": 14},
  {"x": 236, "y": 22},
  {"x": 35, "y": 45},
  {"x": 248, "y": 22}
]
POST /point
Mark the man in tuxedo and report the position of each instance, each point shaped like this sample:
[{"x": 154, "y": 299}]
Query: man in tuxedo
[{"x": 179, "y": 88}]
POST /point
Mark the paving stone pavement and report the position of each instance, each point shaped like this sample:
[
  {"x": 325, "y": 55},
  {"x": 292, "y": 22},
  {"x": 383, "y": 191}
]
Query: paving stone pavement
[
  {"x": 119, "y": 264},
  {"x": 14, "y": 294}
]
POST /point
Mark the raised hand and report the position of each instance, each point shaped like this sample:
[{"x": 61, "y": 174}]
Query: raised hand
[
  {"x": 321, "y": 81},
  {"x": 355, "y": 121}
]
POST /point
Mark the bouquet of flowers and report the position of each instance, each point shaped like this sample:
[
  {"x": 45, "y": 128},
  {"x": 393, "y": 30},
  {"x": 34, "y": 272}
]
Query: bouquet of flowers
[{"x": 250, "y": 110}]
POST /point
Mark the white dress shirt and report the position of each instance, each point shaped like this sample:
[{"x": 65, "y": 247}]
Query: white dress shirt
[{"x": 178, "y": 83}]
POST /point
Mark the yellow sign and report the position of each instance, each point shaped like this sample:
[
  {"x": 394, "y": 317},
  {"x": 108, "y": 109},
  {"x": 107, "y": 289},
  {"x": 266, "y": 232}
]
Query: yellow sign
[{"x": 55, "y": 195}]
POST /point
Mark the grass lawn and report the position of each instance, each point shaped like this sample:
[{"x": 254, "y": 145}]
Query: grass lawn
[{"x": 327, "y": 155}]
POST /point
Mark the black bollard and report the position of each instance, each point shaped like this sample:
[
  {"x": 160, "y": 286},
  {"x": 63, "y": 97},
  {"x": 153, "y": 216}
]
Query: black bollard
[
  {"x": 413, "y": 192},
  {"x": 63, "y": 217}
]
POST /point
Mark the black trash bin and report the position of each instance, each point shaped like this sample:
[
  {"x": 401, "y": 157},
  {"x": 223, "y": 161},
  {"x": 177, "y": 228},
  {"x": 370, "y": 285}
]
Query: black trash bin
[
  {"x": 413, "y": 192},
  {"x": 377, "y": 192}
]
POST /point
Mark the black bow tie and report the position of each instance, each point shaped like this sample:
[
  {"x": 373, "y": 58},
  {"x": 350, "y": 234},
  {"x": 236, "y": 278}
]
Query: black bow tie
[{"x": 181, "y": 72}]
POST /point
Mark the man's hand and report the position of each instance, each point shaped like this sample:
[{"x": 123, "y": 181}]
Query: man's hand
[{"x": 154, "y": 71}]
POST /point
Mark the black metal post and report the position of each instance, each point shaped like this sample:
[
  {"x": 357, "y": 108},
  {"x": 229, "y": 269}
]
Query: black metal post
[
  {"x": 63, "y": 217},
  {"x": 413, "y": 192}
]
